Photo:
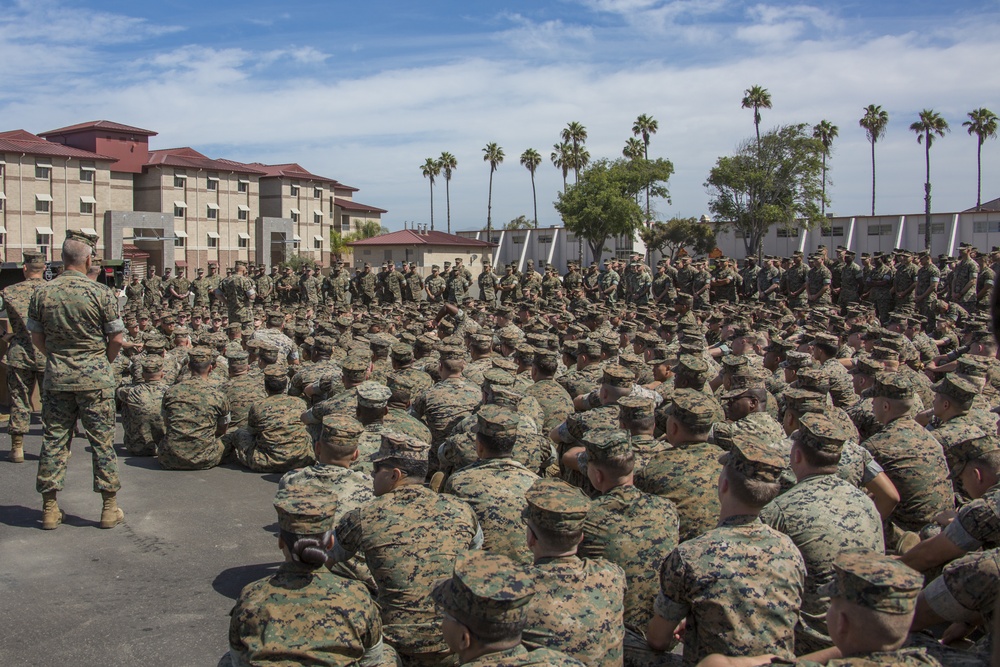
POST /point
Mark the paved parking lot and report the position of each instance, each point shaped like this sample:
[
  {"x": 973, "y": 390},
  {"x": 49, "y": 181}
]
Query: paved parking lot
[{"x": 154, "y": 591}]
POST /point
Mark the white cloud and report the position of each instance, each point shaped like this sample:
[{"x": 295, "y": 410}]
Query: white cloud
[{"x": 549, "y": 38}]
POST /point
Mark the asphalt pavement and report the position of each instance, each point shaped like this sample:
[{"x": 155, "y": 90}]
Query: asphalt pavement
[{"x": 155, "y": 590}]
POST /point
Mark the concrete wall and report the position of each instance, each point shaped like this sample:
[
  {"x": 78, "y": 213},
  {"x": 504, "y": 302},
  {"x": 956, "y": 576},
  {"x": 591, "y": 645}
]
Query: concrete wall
[{"x": 549, "y": 244}]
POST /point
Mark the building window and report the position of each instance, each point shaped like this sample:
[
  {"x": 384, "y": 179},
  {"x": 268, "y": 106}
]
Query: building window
[
  {"x": 317, "y": 218},
  {"x": 786, "y": 233},
  {"x": 317, "y": 193},
  {"x": 243, "y": 214},
  {"x": 345, "y": 224},
  {"x": 178, "y": 211},
  {"x": 213, "y": 240},
  {"x": 43, "y": 241},
  {"x": 180, "y": 179},
  {"x": 41, "y": 206},
  {"x": 295, "y": 190},
  {"x": 43, "y": 171},
  {"x": 880, "y": 230},
  {"x": 295, "y": 216},
  {"x": 87, "y": 208},
  {"x": 243, "y": 186},
  {"x": 317, "y": 243},
  {"x": 367, "y": 251},
  {"x": 244, "y": 242},
  {"x": 545, "y": 239},
  {"x": 86, "y": 175},
  {"x": 213, "y": 184},
  {"x": 831, "y": 231},
  {"x": 496, "y": 239},
  {"x": 178, "y": 241},
  {"x": 517, "y": 240},
  {"x": 980, "y": 227},
  {"x": 213, "y": 212},
  {"x": 936, "y": 228},
  {"x": 3, "y": 201}
]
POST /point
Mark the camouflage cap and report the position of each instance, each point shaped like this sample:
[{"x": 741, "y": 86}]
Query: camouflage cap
[
  {"x": 505, "y": 364},
  {"x": 794, "y": 359},
  {"x": 36, "y": 260},
  {"x": 821, "y": 433},
  {"x": 554, "y": 505},
  {"x": 237, "y": 356},
  {"x": 826, "y": 339},
  {"x": 732, "y": 362},
  {"x": 968, "y": 365},
  {"x": 485, "y": 587},
  {"x": 804, "y": 401},
  {"x": 399, "y": 446},
  {"x": 753, "y": 456},
  {"x": 813, "y": 379},
  {"x": 451, "y": 352},
  {"x": 373, "y": 395},
  {"x": 742, "y": 382},
  {"x": 304, "y": 514},
  {"x": 957, "y": 387},
  {"x": 402, "y": 353},
  {"x": 636, "y": 407},
  {"x": 694, "y": 409},
  {"x": 340, "y": 429},
  {"x": 155, "y": 345},
  {"x": 974, "y": 445},
  {"x": 589, "y": 347},
  {"x": 497, "y": 377},
  {"x": 83, "y": 237},
  {"x": 690, "y": 364},
  {"x": 618, "y": 376},
  {"x": 497, "y": 422},
  {"x": 355, "y": 367},
  {"x": 324, "y": 344},
  {"x": 874, "y": 581},
  {"x": 893, "y": 385},
  {"x": 201, "y": 354},
  {"x": 275, "y": 317},
  {"x": 603, "y": 444},
  {"x": 152, "y": 364},
  {"x": 883, "y": 353}
]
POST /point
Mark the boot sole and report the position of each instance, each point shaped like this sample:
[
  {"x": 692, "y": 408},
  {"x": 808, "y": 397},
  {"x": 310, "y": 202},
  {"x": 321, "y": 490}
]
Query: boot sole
[
  {"x": 119, "y": 517},
  {"x": 52, "y": 526}
]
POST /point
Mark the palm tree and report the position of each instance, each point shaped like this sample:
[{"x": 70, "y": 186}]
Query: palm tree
[
  {"x": 561, "y": 159},
  {"x": 431, "y": 168},
  {"x": 645, "y": 126},
  {"x": 929, "y": 125},
  {"x": 448, "y": 165},
  {"x": 756, "y": 98},
  {"x": 633, "y": 149},
  {"x": 982, "y": 123},
  {"x": 825, "y": 132},
  {"x": 874, "y": 121},
  {"x": 494, "y": 155},
  {"x": 575, "y": 133},
  {"x": 579, "y": 158},
  {"x": 530, "y": 159}
]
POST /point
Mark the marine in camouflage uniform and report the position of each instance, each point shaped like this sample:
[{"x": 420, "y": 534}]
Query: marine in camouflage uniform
[
  {"x": 75, "y": 322},
  {"x": 824, "y": 515},
  {"x": 851, "y": 282},
  {"x": 496, "y": 484},
  {"x": 239, "y": 292},
  {"x": 817, "y": 279},
  {"x": 336, "y": 287},
  {"x": 964, "y": 278},
  {"x": 410, "y": 537},
  {"x": 446, "y": 403},
  {"x": 761, "y": 576},
  {"x": 796, "y": 281},
  {"x": 274, "y": 438},
  {"x": 152, "y": 289},
  {"x": 195, "y": 414},
  {"x": 303, "y": 612},
  {"x": 904, "y": 284},
  {"x": 578, "y": 607},
  {"x": 435, "y": 285},
  {"x": 928, "y": 281},
  {"x": 25, "y": 365},
  {"x": 489, "y": 283},
  {"x": 202, "y": 288},
  {"x": 141, "y": 403},
  {"x": 555, "y": 402},
  {"x": 242, "y": 389},
  {"x": 607, "y": 284}
]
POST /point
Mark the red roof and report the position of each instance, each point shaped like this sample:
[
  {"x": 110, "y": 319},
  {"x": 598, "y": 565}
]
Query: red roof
[
  {"x": 133, "y": 251},
  {"x": 189, "y": 158},
  {"x": 100, "y": 125},
  {"x": 290, "y": 170},
  {"x": 351, "y": 205},
  {"x": 411, "y": 237},
  {"x": 21, "y": 141}
]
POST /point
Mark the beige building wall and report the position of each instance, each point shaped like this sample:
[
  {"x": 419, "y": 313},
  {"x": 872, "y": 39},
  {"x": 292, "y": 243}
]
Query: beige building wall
[
  {"x": 122, "y": 191},
  {"x": 306, "y": 203},
  {"x": 424, "y": 256}
]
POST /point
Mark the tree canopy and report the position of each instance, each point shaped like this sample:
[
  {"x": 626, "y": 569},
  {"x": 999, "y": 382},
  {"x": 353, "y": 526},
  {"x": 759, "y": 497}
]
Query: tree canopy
[
  {"x": 779, "y": 183},
  {"x": 520, "y": 222},
  {"x": 670, "y": 236},
  {"x": 603, "y": 204}
]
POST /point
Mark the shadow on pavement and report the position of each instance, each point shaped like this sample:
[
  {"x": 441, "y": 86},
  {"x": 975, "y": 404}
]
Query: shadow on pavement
[
  {"x": 147, "y": 462},
  {"x": 230, "y": 582},
  {"x": 19, "y": 516}
]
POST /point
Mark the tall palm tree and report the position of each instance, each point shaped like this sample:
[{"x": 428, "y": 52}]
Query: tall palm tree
[
  {"x": 645, "y": 126},
  {"x": 530, "y": 159},
  {"x": 825, "y": 132},
  {"x": 448, "y": 165},
  {"x": 431, "y": 168},
  {"x": 561, "y": 159},
  {"x": 633, "y": 149},
  {"x": 494, "y": 155},
  {"x": 756, "y": 98},
  {"x": 874, "y": 121},
  {"x": 982, "y": 123},
  {"x": 579, "y": 158},
  {"x": 575, "y": 133},
  {"x": 930, "y": 124}
]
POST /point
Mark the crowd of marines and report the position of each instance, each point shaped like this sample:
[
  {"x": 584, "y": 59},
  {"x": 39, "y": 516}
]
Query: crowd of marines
[{"x": 792, "y": 461}]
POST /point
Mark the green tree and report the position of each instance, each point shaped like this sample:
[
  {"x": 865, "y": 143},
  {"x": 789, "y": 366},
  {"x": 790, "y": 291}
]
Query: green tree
[
  {"x": 645, "y": 126},
  {"x": 520, "y": 222},
  {"x": 431, "y": 168},
  {"x": 494, "y": 155},
  {"x": 670, "y": 236},
  {"x": 602, "y": 204},
  {"x": 338, "y": 243},
  {"x": 448, "y": 166},
  {"x": 825, "y": 132},
  {"x": 530, "y": 159},
  {"x": 874, "y": 121},
  {"x": 369, "y": 228},
  {"x": 575, "y": 134},
  {"x": 929, "y": 125},
  {"x": 982, "y": 123},
  {"x": 561, "y": 159},
  {"x": 634, "y": 149},
  {"x": 780, "y": 183},
  {"x": 756, "y": 98}
]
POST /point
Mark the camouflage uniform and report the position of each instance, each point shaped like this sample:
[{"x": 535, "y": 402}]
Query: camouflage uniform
[
  {"x": 202, "y": 288},
  {"x": 141, "y": 418},
  {"x": 287, "y": 349},
  {"x": 965, "y": 272},
  {"x": 74, "y": 314},
  {"x": 818, "y": 277},
  {"x": 239, "y": 292},
  {"x": 152, "y": 291},
  {"x": 795, "y": 279},
  {"x": 274, "y": 439},
  {"x": 554, "y": 401},
  {"x": 242, "y": 392},
  {"x": 191, "y": 411},
  {"x": 444, "y": 405},
  {"x": 488, "y": 285},
  {"x": 851, "y": 284},
  {"x": 25, "y": 364}
]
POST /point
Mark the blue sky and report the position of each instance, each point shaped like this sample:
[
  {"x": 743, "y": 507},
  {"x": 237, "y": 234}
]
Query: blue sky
[{"x": 365, "y": 92}]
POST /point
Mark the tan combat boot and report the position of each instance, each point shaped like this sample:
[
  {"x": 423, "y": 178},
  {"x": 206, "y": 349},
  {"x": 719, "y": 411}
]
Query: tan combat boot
[
  {"x": 52, "y": 516},
  {"x": 111, "y": 514},
  {"x": 16, "y": 449}
]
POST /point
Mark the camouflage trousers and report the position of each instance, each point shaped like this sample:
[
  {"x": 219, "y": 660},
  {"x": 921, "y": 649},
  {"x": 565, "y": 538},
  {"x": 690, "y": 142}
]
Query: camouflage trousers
[
  {"x": 21, "y": 382},
  {"x": 638, "y": 653},
  {"x": 245, "y": 451},
  {"x": 60, "y": 411}
]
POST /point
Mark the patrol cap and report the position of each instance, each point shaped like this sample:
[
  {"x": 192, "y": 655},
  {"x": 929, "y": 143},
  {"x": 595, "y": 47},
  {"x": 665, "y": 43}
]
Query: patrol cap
[
  {"x": 505, "y": 364},
  {"x": 355, "y": 367},
  {"x": 499, "y": 423},
  {"x": 795, "y": 359},
  {"x": 275, "y": 317},
  {"x": 554, "y": 505},
  {"x": 894, "y": 386},
  {"x": 866, "y": 365},
  {"x": 694, "y": 409},
  {"x": 618, "y": 376},
  {"x": 323, "y": 344},
  {"x": 152, "y": 364},
  {"x": 751, "y": 455},
  {"x": 497, "y": 377},
  {"x": 969, "y": 367},
  {"x": 822, "y": 434},
  {"x": 635, "y": 407},
  {"x": 604, "y": 444},
  {"x": 276, "y": 371},
  {"x": 731, "y": 362},
  {"x": 957, "y": 387},
  {"x": 341, "y": 430},
  {"x": 689, "y": 364},
  {"x": 485, "y": 587},
  {"x": 202, "y": 353},
  {"x": 237, "y": 357},
  {"x": 742, "y": 382},
  {"x": 589, "y": 347},
  {"x": 874, "y": 581},
  {"x": 373, "y": 395},
  {"x": 36, "y": 260},
  {"x": 451, "y": 352},
  {"x": 83, "y": 237},
  {"x": 400, "y": 446},
  {"x": 401, "y": 352},
  {"x": 155, "y": 345},
  {"x": 814, "y": 379},
  {"x": 304, "y": 514},
  {"x": 524, "y": 353},
  {"x": 973, "y": 447},
  {"x": 803, "y": 401},
  {"x": 826, "y": 339}
]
